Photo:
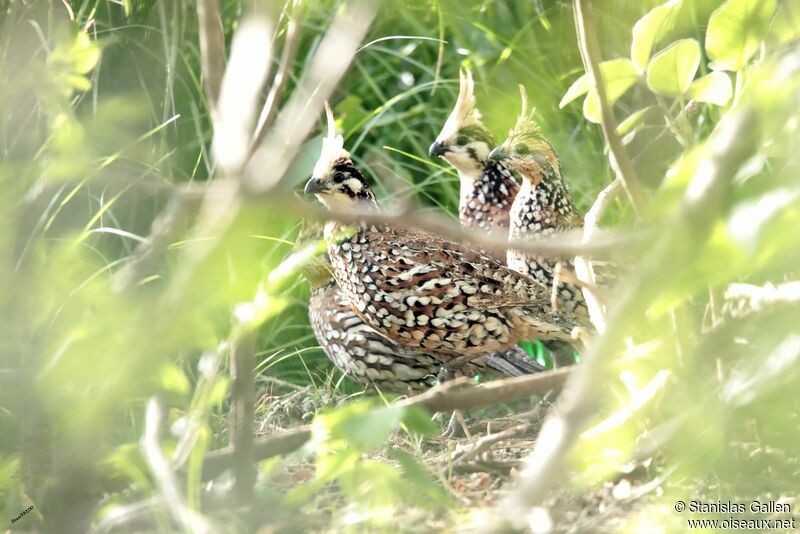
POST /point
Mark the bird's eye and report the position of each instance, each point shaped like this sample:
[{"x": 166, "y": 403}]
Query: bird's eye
[
  {"x": 338, "y": 177},
  {"x": 521, "y": 149},
  {"x": 462, "y": 140}
]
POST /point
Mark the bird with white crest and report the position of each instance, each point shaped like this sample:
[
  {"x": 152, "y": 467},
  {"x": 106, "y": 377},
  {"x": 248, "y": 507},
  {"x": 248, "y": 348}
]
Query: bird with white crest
[{"x": 487, "y": 189}]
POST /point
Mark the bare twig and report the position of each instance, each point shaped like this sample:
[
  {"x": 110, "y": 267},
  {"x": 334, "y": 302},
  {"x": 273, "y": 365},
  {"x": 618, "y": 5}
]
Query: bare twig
[
  {"x": 221, "y": 194},
  {"x": 221, "y": 459},
  {"x": 212, "y": 51},
  {"x": 239, "y": 95},
  {"x": 163, "y": 475},
  {"x": 270, "y": 109},
  {"x": 243, "y": 400},
  {"x": 590, "y": 53},
  {"x": 558, "y": 244},
  {"x": 583, "y": 267},
  {"x": 453, "y": 395},
  {"x": 296, "y": 119},
  {"x": 487, "y": 442}
]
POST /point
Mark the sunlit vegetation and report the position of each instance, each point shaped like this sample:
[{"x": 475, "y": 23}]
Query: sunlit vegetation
[{"x": 149, "y": 230}]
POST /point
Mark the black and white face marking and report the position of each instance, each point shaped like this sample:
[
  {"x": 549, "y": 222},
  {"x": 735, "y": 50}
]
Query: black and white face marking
[
  {"x": 467, "y": 150},
  {"x": 342, "y": 184}
]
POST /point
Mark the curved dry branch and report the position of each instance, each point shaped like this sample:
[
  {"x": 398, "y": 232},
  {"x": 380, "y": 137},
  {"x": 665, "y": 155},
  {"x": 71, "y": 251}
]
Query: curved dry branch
[
  {"x": 270, "y": 110},
  {"x": 212, "y": 52},
  {"x": 590, "y": 53},
  {"x": 583, "y": 267},
  {"x": 454, "y": 395}
]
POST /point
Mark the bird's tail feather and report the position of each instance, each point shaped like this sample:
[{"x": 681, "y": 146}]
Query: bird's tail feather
[{"x": 513, "y": 362}]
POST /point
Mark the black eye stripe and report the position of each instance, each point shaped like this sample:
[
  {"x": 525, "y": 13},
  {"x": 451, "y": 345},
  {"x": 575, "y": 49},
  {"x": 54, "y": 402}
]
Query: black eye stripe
[{"x": 347, "y": 171}]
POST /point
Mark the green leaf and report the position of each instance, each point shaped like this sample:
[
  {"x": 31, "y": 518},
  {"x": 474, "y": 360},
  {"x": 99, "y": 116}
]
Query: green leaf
[
  {"x": 426, "y": 489},
  {"x": 735, "y": 30},
  {"x": 786, "y": 23},
  {"x": 219, "y": 391},
  {"x": 634, "y": 120},
  {"x": 672, "y": 70},
  {"x": 578, "y": 88},
  {"x": 591, "y": 107},
  {"x": 358, "y": 424},
  {"x": 715, "y": 88},
  {"x": 649, "y": 29},
  {"x": 619, "y": 75},
  {"x": 85, "y": 53},
  {"x": 78, "y": 82},
  {"x": 173, "y": 380},
  {"x": 419, "y": 420}
]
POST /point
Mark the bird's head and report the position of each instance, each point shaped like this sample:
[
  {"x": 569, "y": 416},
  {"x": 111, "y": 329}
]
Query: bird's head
[
  {"x": 526, "y": 150},
  {"x": 336, "y": 182},
  {"x": 464, "y": 141}
]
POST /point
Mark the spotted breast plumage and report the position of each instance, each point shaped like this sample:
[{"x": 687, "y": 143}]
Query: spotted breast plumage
[{"x": 418, "y": 289}]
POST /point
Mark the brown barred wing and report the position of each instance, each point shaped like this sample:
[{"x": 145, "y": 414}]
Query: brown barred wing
[
  {"x": 427, "y": 292},
  {"x": 361, "y": 353}
]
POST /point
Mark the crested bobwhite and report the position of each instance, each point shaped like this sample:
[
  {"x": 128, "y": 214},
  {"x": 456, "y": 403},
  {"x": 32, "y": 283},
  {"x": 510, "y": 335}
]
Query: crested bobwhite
[
  {"x": 421, "y": 290},
  {"x": 372, "y": 359},
  {"x": 542, "y": 207},
  {"x": 486, "y": 188}
]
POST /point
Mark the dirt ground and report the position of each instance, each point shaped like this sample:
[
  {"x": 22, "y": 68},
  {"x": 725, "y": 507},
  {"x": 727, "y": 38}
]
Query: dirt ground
[{"x": 477, "y": 470}]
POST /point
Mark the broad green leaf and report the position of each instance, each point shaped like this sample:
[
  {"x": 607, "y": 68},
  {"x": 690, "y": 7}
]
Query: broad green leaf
[
  {"x": 672, "y": 70},
  {"x": 219, "y": 392},
  {"x": 649, "y": 29},
  {"x": 591, "y": 107},
  {"x": 578, "y": 88},
  {"x": 359, "y": 424},
  {"x": 619, "y": 75},
  {"x": 8, "y": 469},
  {"x": 714, "y": 88},
  {"x": 634, "y": 120},
  {"x": 735, "y": 30}
]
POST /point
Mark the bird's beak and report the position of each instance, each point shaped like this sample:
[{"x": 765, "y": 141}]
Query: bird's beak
[
  {"x": 438, "y": 149},
  {"x": 498, "y": 154},
  {"x": 315, "y": 185}
]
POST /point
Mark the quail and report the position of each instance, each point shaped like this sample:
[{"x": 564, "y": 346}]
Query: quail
[
  {"x": 421, "y": 290},
  {"x": 371, "y": 359},
  {"x": 542, "y": 207},
  {"x": 486, "y": 188}
]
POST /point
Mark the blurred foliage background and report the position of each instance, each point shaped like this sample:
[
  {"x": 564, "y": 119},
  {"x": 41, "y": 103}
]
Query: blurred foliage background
[{"x": 103, "y": 114}]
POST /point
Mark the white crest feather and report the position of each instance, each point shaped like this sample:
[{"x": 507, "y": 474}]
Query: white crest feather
[
  {"x": 332, "y": 147},
  {"x": 525, "y": 121},
  {"x": 465, "y": 111}
]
